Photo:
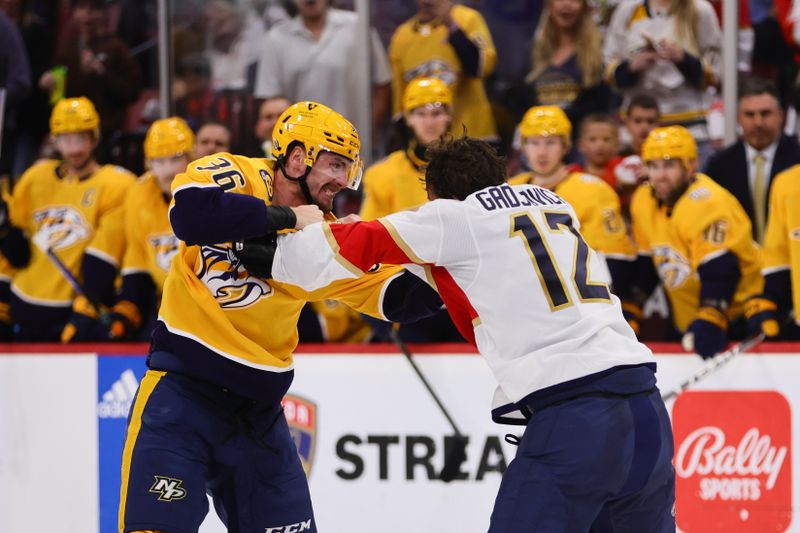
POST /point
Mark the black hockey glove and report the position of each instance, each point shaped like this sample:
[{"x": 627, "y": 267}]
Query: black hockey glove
[{"x": 257, "y": 254}]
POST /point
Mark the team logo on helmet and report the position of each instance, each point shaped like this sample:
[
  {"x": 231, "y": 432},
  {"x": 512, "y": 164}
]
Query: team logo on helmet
[
  {"x": 165, "y": 246},
  {"x": 673, "y": 268},
  {"x": 59, "y": 227},
  {"x": 230, "y": 284}
]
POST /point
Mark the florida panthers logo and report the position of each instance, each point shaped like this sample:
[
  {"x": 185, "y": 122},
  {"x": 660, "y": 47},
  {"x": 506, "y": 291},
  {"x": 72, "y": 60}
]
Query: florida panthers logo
[
  {"x": 165, "y": 246},
  {"x": 231, "y": 285},
  {"x": 59, "y": 227},
  {"x": 673, "y": 268}
]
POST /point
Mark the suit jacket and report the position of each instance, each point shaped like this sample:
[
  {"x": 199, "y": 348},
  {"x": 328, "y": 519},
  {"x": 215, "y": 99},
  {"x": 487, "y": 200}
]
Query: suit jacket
[{"x": 729, "y": 168}]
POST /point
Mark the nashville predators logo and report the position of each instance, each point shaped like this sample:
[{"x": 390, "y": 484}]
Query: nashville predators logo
[
  {"x": 168, "y": 489},
  {"x": 435, "y": 68},
  {"x": 165, "y": 246},
  {"x": 59, "y": 227},
  {"x": 673, "y": 268},
  {"x": 230, "y": 284}
]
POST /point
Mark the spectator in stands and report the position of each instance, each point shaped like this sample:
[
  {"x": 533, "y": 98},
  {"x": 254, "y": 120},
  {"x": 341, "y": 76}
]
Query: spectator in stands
[
  {"x": 99, "y": 66},
  {"x": 567, "y": 62},
  {"x": 212, "y": 137},
  {"x": 694, "y": 238},
  {"x": 308, "y": 58},
  {"x": 671, "y": 50},
  {"x": 37, "y": 21},
  {"x": 234, "y": 45},
  {"x": 746, "y": 168},
  {"x": 268, "y": 113},
  {"x": 598, "y": 144},
  {"x": 15, "y": 77},
  {"x": 453, "y": 43},
  {"x": 641, "y": 117},
  {"x": 59, "y": 225}
]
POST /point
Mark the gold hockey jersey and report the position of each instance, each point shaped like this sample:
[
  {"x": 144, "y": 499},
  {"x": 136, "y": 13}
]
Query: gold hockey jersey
[
  {"x": 211, "y": 299},
  {"x": 422, "y": 50},
  {"x": 392, "y": 185},
  {"x": 150, "y": 241},
  {"x": 69, "y": 216},
  {"x": 782, "y": 240},
  {"x": 706, "y": 222}
]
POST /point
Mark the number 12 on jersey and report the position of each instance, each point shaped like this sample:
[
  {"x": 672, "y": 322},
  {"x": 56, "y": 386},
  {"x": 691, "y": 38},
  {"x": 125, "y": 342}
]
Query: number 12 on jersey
[{"x": 523, "y": 226}]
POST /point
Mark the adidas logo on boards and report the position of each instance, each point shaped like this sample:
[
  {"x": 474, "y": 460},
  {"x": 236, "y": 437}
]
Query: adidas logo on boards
[{"x": 117, "y": 400}]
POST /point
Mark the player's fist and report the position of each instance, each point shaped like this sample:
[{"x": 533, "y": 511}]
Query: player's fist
[
  {"x": 307, "y": 214},
  {"x": 761, "y": 313},
  {"x": 708, "y": 333},
  {"x": 257, "y": 254}
]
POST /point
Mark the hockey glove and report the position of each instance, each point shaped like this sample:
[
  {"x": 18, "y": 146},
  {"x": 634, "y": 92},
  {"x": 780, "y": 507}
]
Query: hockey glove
[
  {"x": 123, "y": 320},
  {"x": 257, "y": 254},
  {"x": 708, "y": 333},
  {"x": 632, "y": 312},
  {"x": 761, "y": 313},
  {"x": 84, "y": 323}
]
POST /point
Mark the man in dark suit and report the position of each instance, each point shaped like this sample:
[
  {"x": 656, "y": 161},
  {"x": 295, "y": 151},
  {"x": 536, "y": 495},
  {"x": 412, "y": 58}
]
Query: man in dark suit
[{"x": 747, "y": 167}]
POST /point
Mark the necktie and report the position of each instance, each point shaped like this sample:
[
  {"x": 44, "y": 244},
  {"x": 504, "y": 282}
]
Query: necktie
[{"x": 759, "y": 197}]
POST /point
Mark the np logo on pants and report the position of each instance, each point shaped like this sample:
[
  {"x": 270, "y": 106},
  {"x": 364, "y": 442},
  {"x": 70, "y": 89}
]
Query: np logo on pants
[{"x": 168, "y": 489}]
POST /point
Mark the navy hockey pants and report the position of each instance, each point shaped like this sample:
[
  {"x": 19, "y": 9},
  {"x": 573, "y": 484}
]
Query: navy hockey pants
[
  {"x": 595, "y": 463},
  {"x": 186, "y": 438}
]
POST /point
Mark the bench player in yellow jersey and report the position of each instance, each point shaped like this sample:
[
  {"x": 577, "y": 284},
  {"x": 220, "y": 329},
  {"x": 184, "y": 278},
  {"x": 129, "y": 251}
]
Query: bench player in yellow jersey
[
  {"x": 67, "y": 208},
  {"x": 545, "y": 133},
  {"x": 207, "y": 415},
  {"x": 398, "y": 181},
  {"x": 781, "y": 254},
  {"x": 694, "y": 238},
  {"x": 150, "y": 243}
]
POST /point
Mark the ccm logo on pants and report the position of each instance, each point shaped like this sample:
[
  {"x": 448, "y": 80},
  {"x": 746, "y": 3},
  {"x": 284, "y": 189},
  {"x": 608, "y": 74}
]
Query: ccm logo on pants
[{"x": 291, "y": 528}]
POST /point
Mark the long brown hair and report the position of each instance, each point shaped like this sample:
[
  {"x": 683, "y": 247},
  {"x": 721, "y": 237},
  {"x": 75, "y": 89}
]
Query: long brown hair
[
  {"x": 588, "y": 45},
  {"x": 686, "y": 25}
]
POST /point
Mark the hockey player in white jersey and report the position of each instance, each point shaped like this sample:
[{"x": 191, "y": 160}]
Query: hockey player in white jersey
[{"x": 522, "y": 285}]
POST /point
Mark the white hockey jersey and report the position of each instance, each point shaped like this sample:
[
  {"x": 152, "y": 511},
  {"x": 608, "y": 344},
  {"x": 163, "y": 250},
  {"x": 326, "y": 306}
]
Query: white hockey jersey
[{"x": 517, "y": 277}]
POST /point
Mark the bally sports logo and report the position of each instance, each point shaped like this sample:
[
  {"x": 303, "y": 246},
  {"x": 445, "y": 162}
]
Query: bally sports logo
[{"x": 733, "y": 461}]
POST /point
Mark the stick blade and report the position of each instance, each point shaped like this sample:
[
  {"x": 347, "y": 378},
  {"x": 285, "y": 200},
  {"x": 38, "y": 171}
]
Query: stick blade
[{"x": 455, "y": 454}]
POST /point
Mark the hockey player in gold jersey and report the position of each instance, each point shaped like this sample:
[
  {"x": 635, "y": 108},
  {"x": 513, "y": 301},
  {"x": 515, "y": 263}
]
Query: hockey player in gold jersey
[
  {"x": 207, "y": 414},
  {"x": 150, "y": 243},
  {"x": 545, "y": 133},
  {"x": 781, "y": 255},
  {"x": 694, "y": 237},
  {"x": 66, "y": 209},
  {"x": 453, "y": 43},
  {"x": 398, "y": 181}
]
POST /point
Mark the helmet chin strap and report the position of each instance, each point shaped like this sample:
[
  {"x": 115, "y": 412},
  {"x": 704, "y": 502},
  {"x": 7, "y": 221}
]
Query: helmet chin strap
[{"x": 301, "y": 180}]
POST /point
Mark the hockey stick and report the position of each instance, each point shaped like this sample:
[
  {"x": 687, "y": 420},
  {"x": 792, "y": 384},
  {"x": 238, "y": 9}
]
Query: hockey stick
[
  {"x": 101, "y": 309},
  {"x": 455, "y": 456},
  {"x": 712, "y": 364}
]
